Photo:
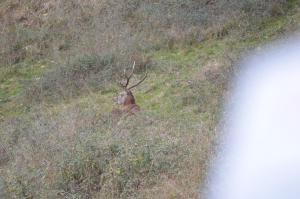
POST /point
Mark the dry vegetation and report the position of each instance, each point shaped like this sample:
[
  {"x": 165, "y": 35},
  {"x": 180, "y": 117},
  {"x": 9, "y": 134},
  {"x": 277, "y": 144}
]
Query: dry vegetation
[{"x": 58, "y": 65}]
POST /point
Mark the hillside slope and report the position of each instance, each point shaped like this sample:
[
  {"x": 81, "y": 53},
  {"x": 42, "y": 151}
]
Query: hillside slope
[{"x": 57, "y": 136}]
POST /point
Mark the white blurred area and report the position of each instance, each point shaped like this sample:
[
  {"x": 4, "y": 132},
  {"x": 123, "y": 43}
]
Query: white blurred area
[{"x": 260, "y": 157}]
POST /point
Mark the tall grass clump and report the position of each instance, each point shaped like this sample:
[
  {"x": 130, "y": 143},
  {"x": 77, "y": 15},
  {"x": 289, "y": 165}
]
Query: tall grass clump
[{"x": 75, "y": 153}]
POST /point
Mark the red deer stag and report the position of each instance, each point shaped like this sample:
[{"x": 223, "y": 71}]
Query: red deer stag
[{"x": 126, "y": 98}]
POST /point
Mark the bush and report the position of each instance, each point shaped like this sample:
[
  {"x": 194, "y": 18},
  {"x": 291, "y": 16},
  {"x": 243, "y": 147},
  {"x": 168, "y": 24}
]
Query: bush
[{"x": 79, "y": 76}]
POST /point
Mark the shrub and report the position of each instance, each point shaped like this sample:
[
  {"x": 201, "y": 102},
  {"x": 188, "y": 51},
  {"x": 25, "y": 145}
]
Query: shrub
[{"x": 67, "y": 81}]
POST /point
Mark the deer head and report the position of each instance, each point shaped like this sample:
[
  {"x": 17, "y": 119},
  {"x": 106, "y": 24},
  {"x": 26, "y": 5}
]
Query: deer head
[{"x": 126, "y": 97}]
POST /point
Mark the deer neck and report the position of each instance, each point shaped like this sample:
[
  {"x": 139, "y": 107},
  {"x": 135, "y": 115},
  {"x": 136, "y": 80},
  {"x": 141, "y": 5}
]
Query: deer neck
[{"x": 129, "y": 99}]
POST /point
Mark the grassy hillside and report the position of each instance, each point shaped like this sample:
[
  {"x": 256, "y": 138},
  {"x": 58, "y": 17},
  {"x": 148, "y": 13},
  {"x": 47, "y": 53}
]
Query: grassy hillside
[{"x": 58, "y": 71}]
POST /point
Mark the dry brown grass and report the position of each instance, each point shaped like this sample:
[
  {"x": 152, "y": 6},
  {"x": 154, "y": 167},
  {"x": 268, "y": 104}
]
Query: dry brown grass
[{"x": 75, "y": 153}]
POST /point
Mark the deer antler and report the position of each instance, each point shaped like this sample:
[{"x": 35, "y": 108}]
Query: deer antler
[
  {"x": 127, "y": 77},
  {"x": 143, "y": 79},
  {"x": 130, "y": 76}
]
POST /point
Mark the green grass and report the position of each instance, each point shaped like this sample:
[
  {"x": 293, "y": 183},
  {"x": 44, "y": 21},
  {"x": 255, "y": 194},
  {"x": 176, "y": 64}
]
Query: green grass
[
  {"x": 162, "y": 92},
  {"x": 13, "y": 82}
]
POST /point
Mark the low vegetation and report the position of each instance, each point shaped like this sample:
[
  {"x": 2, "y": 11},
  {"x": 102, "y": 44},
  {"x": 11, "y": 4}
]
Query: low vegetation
[{"x": 58, "y": 69}]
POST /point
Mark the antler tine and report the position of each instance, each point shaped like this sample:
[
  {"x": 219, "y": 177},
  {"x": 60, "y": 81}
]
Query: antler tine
[
  {"x": 143, "y": 79},
  {"x": 127, "y": 77},
  {"x": 130, "y": 75},
  {"x": 132, "y": 70}
]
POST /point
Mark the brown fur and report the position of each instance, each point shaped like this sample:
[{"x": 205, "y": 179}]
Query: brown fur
[
  {"x": 129, "y": 99},
  {"x": 129, "y": 107}
]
